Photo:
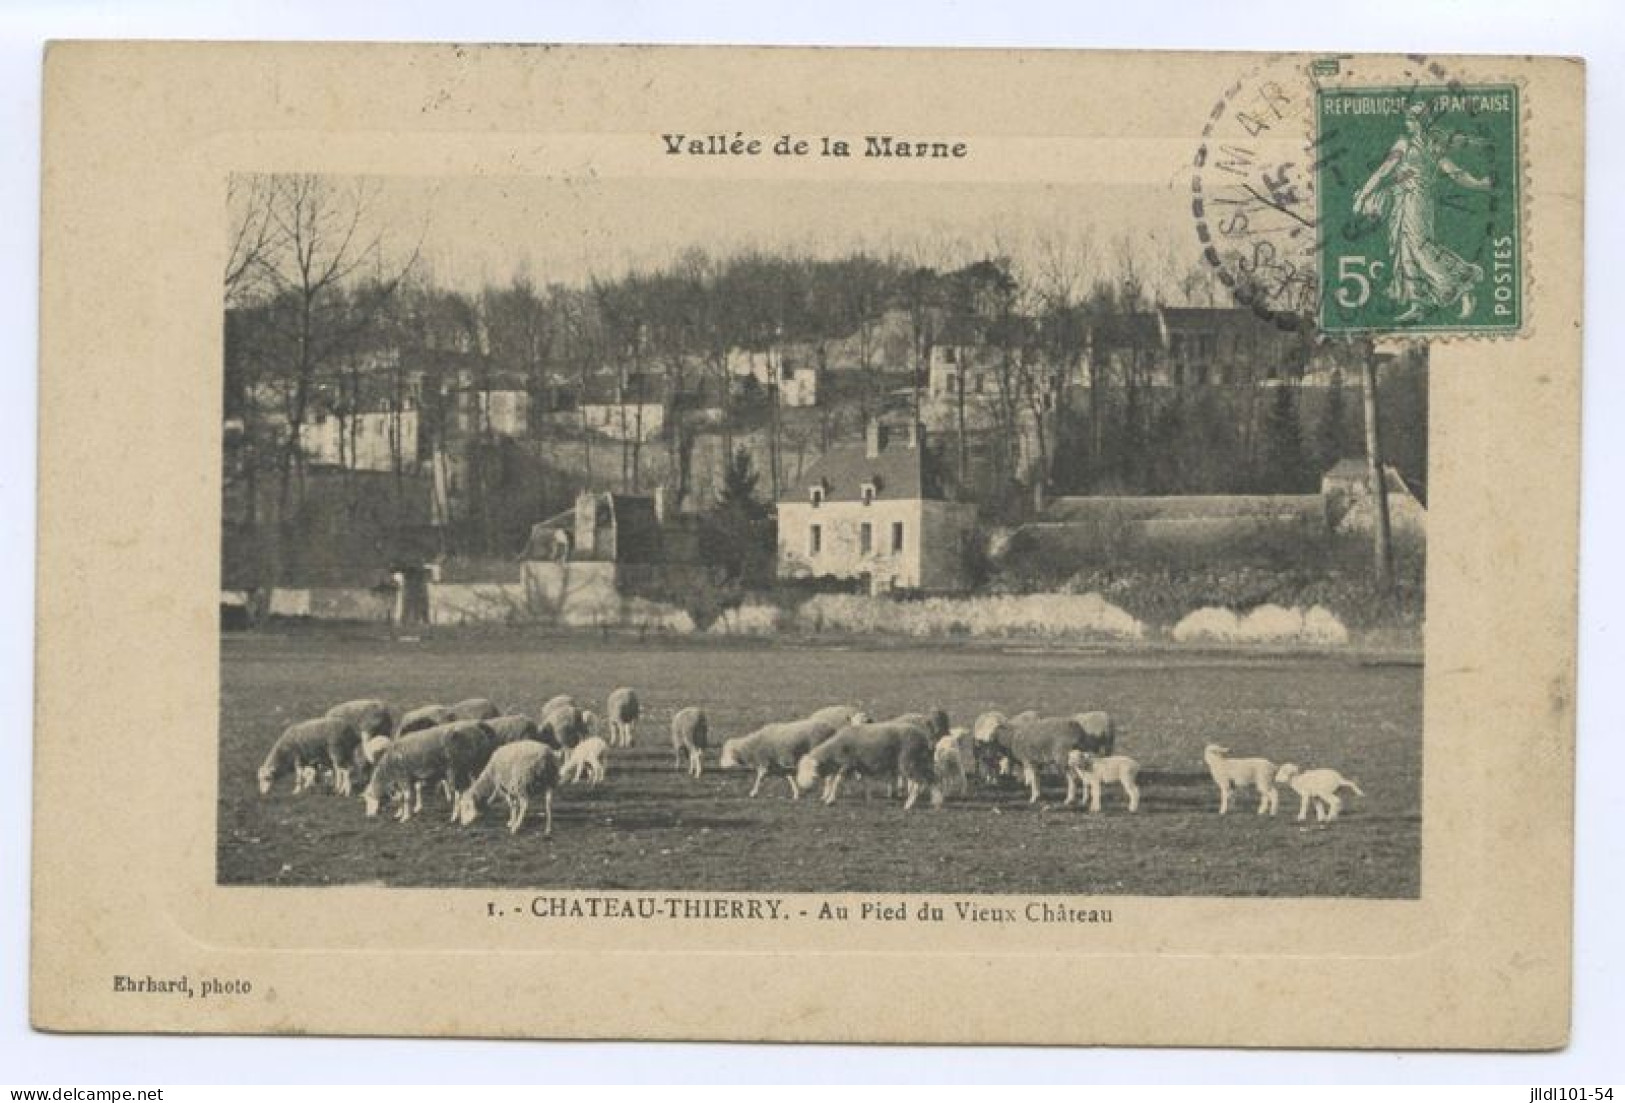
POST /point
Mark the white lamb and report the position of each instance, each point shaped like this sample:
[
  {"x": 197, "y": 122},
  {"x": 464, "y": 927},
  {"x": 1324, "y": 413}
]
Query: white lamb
[
  {"x": 590, "y": 757},
  {"x": 517, "y": 772},
  {"x": 1241, "y": 773},
  {"x": 1115, "y": 769},
  {"x": 1317, "y": 787}
]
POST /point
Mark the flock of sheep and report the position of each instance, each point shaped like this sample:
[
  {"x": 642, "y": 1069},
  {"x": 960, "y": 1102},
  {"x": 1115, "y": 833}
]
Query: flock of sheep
[{"x": 474, "y": 754}]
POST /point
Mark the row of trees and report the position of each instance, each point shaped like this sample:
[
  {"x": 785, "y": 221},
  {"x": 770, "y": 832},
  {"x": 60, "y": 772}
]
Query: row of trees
[{"x": 331, "y": 308}]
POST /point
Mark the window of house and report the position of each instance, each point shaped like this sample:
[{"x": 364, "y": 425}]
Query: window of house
[
  {"x": 866, "y": 538},
  {"x": 948, "y": 354},
  {"x": 896, "y": 537},
  {"x": 815, "y": 539},
  {"x": 868, "y": 493},
  {"x": 816, "y": 494}
]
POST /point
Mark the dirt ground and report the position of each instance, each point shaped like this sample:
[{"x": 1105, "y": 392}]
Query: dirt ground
[{"x": 649, "y": 827}]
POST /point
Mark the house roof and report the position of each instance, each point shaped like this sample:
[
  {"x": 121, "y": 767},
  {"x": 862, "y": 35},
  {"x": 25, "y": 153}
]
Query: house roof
[{"x": 898, "y": 471}]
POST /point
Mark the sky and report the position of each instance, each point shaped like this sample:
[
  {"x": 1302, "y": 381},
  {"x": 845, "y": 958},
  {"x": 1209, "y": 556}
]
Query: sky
[{"x": 477, "y": 231}]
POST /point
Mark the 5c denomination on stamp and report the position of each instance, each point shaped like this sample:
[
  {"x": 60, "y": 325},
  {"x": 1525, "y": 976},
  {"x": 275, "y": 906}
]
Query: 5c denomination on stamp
[{"x": 1418, "y": 196}]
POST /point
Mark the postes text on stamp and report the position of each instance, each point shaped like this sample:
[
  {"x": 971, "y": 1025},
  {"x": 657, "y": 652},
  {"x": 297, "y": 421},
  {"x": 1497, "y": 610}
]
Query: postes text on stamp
[{"x": 1418, "y": 196}]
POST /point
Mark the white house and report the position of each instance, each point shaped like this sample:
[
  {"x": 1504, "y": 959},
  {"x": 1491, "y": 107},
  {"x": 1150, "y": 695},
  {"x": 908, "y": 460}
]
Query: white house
[
  {"x": 875, "y": 510},
  {"x": 370, "y": 441},
  {"x": 791, "y": 371}
]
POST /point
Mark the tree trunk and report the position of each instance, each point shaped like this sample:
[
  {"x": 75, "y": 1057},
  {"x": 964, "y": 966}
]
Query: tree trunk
[{"x": 1376, "y": 476}]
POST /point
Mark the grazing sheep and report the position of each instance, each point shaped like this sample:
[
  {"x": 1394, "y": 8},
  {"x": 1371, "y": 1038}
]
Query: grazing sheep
[
  {"x": 1101, "y": 732},
  {"x": 839, "y": 716},
  {"x": 986, "y": 724},
  {"x": 1317, "y": 787},
  {"x": 452, "y": 754},
  {"x": 690, "y": 735},
  {"x": 621, "y": 710},
  {"x": 990, "y": 764},
  {"x": 475, "y": 708},
  {"x": 564, "y": 726},
  {"x": 1106, "y": 770},
  {"x": 563, "y": 700},
  {"x": 371, "y": 717},
  {"x": 1241, "y": 773},
  {"x": 775, "y": 749},
  {"x": 590, "y": 757},
  {"x": 891, "y": 749},
  {"x": 514, "y": 728},
  {"x": 516, "y": 773},
  {"x": 948, "y": 762},
  {"x": 934, "y": 722},
  {"x": 1038, "y": 743},
  {"x": 304, "y": 748},
  {"x": 421, "y": 719},
  {"x": 373, "y": 749}
]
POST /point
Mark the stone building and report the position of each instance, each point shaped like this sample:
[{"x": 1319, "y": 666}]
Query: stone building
[{"x": 875, "y": 511}]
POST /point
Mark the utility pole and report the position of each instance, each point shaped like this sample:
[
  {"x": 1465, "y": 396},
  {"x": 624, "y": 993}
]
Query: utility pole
[{"x": 1376, "y": 476}]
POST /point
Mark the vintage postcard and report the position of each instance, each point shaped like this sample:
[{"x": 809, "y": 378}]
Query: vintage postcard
[{"x": 808, "y": 544}]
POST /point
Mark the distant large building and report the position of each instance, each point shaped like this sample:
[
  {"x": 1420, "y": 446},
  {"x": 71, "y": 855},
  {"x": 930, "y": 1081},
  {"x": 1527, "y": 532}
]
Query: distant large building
[
  {"x": 1192, "y": 347},
  {"x": 875, "y": 511}
]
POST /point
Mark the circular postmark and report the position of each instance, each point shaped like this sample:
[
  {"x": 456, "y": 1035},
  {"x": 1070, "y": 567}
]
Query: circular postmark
[
  {"x": 1364, "y": 196},
  {"x": 1253, "y": 193}
]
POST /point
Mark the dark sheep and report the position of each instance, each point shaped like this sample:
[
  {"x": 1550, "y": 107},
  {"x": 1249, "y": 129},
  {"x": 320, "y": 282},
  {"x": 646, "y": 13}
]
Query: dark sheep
[
  {"x": 934, "y": 722},
  {"x": 563, "y": 727},
  {"x": 450, "y": 755},
  {"x": 1047, "y": 742},
  {"x": 892, "y": 749},
  {"x": 513, "y": 729}
]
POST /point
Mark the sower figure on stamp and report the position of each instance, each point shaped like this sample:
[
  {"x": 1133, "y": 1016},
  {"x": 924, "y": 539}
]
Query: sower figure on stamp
[{"x": 1403, "y": 192}]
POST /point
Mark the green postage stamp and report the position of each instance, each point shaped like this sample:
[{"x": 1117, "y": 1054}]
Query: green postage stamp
[{"x": 1419, "y": 207}]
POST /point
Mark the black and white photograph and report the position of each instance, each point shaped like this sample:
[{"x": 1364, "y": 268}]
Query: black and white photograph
[
  {"x": 990, "y": 547},
  {"x": 816, "y": 536}
]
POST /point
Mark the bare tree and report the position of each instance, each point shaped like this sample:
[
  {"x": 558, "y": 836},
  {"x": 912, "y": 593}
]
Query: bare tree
[
  {"x": 319, "y": 257},
  {"x": 249, "y": 237}
]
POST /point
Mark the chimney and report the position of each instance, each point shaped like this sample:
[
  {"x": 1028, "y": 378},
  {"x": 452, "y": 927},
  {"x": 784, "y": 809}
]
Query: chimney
[{"x": 876, "y": 438}]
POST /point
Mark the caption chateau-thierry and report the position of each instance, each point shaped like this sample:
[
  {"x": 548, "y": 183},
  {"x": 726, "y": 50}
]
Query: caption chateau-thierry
[{"x": 740, "y": 144}]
